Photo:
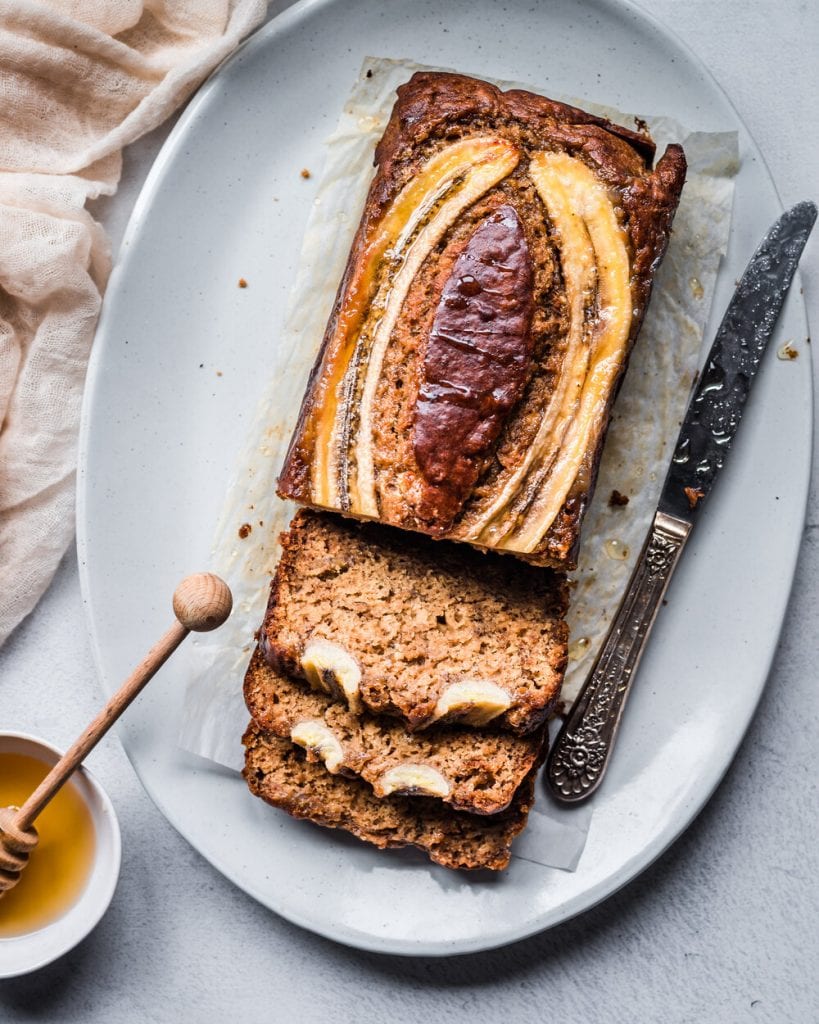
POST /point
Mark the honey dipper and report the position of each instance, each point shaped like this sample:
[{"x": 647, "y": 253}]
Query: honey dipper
[{"x": 200, "y": 603}]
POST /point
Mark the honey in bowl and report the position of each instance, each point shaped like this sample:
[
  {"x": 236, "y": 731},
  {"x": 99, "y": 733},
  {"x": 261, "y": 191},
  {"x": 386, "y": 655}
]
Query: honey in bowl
[{"x": 60, "y": 864}]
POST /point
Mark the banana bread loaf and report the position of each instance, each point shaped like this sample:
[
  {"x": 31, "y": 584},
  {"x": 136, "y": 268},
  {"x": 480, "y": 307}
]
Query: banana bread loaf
[
  {"x": 279, "y": 772},
  {"x": 497, "y": 281},
  {"x": 476, "y": 771},
  {"x": 410, "y": 627}
]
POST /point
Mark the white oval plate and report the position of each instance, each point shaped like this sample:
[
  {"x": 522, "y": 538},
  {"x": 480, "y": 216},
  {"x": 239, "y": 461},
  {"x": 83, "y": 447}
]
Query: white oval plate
[{"x": 161, "y": 429}]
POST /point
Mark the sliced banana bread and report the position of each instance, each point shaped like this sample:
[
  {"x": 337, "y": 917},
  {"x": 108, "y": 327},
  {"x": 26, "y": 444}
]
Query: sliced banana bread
[
  {"x": 423, "y": 630},
  {"x": 472, "y": 770},
  {"x": 499, "y": 276},
  {"x": 280, "y": 773}
]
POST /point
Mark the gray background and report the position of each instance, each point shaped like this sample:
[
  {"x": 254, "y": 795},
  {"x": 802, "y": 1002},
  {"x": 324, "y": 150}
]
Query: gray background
[{"x": 723, "y": 928}]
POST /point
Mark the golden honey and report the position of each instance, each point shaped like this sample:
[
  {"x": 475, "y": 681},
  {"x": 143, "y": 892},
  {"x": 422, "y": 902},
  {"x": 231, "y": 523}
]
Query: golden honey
[{"x": 61, "y": 862}]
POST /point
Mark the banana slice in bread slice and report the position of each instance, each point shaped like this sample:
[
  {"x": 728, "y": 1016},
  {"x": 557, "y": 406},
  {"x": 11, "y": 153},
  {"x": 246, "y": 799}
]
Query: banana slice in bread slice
[{"x": 280, "y": 773}]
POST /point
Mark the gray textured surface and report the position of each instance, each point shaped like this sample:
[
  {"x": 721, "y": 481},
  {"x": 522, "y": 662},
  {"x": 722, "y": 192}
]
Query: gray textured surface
[{"x": 723, "y": 928}]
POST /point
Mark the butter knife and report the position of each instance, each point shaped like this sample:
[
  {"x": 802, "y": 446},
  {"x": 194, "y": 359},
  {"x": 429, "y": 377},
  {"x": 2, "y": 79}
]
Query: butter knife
[{"x": 580, "y": 754}]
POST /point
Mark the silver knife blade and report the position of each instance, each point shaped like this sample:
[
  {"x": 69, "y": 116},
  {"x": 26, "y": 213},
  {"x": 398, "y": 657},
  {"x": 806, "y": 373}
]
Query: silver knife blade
[
  {"x": 715, "y": 410},
  {"x": 580, "y": 753}
]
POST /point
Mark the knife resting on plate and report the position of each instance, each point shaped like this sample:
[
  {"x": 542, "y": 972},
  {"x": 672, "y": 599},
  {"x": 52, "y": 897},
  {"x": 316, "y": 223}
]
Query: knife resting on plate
[{"x": 579, "y": 756}]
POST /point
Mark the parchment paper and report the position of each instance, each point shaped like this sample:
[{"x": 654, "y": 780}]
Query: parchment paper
[{"x": 645, "y": 422}]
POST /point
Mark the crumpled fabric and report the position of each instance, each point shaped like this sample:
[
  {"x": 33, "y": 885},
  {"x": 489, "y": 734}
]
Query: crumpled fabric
[{"x": 79, "y": 80}]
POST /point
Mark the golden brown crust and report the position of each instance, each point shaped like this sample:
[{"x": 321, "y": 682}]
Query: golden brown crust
[
  {"x": 433, "y": 108},
  {"x": 432, "y": 101}
]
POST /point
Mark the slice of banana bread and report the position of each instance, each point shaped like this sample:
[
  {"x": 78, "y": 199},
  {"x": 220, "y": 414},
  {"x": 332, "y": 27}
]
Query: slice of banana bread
[
  {"x": 472, "y": 770},
  {"x": 280, "y": 773},
  {"x": 422, "y": 630}
]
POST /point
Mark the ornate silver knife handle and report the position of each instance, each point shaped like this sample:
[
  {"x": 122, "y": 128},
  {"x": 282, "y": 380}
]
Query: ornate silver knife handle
[
  {"x": 581, "y": 751},
  {"x": 579, "y": 756}
]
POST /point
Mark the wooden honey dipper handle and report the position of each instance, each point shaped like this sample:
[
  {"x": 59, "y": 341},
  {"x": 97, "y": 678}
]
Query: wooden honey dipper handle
[{"x": 200, "y": 603}]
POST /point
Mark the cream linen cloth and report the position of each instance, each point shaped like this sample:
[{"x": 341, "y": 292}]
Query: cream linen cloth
[{"x": 79, "y": 79}]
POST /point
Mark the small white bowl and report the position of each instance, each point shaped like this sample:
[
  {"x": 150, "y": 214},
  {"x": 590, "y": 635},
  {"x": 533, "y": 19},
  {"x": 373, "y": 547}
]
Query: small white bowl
[{"x": 20, "y": 954}]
